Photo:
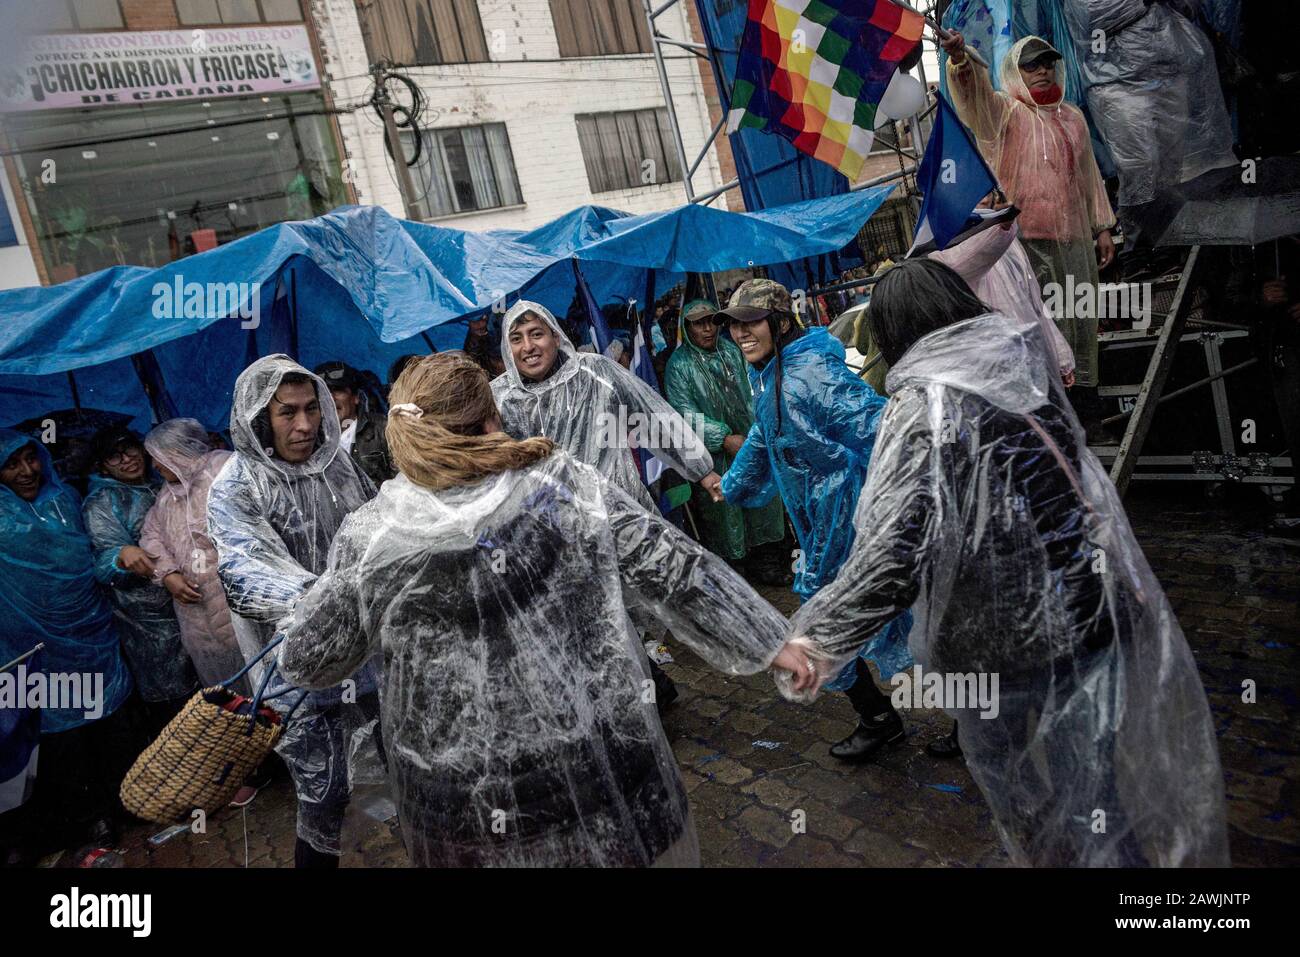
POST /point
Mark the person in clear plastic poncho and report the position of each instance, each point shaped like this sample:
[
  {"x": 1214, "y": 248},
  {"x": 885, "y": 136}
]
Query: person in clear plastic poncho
[
  {"x": 588, "y": 404},
  {"x": 492, "y": 575},
  {"x": 707, "y": 379},
  {"x": 987, "y": 515},
  {"x": 1039, "y": 147},
  {"x": 175, "y": 534},
  {"x": 1153, "y": 91},
  {"x": 272, "y": 513},
  {"x": 121, "y": 493}
]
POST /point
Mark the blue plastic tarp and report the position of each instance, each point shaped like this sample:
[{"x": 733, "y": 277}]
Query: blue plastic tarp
[{"x": 364, "y": 286}]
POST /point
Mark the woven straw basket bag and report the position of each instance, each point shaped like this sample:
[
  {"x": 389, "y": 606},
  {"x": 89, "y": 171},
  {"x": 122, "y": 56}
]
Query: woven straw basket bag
[{"x": 205, "y": 753}]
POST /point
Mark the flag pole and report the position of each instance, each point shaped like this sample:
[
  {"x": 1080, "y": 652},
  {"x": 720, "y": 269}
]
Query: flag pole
[
  {"x": 943, "y": 34},
  {"x": 21, "y": 658}
]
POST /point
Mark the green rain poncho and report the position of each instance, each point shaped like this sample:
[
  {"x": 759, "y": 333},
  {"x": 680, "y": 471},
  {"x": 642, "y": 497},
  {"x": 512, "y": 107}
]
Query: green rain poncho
[{"x": 712, "y": 388}]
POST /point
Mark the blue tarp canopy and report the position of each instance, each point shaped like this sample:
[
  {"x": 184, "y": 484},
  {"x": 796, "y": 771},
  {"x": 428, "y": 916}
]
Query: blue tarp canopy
[{"x": 361, "y": 285}]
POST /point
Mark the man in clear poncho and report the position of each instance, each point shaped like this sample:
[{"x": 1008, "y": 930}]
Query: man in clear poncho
[
  {"x": 707, "y": 379},
  {"x": 1039, "y": 147},
  {"x": 48, "y": 593},
  {"x": 121, "y": 493},
  {"x": 272, "y": 513},
  {"x": 987, "y": 515},
  {"x": 596, "y": 411},
  {"x": 493, "y": 574},
  {"x": 1153, "y": 91},
  {"x": 588, "y": 404}
]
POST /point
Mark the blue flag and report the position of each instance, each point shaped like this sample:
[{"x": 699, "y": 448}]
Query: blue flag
[
  {"x": 953, "y": 178},
  {"x": 600, "y": 334}
]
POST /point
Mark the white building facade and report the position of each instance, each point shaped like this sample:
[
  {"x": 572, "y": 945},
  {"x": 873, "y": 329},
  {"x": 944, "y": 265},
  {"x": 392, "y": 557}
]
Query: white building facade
[{"x": 533, "y": 107}]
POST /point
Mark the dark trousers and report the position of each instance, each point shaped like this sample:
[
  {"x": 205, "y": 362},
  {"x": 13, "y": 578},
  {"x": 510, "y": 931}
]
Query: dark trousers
[
  {"x": 78, "y": 774},
  {"x": 867, "y": 700}
]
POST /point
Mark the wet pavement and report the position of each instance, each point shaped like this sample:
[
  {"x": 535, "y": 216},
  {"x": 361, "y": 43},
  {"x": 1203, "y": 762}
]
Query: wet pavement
[{"x": 752, "y": 761}]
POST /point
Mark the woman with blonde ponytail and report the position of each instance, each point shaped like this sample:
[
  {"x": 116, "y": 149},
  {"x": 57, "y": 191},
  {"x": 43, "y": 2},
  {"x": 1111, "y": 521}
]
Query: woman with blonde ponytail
[{"x": 492, "y": 575}]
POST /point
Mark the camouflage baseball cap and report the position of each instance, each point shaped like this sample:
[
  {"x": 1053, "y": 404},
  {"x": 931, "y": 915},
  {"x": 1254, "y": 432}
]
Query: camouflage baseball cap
[
  {"x": 755, "y": 298},
  {"x": 698, "y": 309}
]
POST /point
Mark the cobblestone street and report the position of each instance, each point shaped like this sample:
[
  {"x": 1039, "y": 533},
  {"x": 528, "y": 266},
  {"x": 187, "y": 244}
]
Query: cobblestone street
[{"x": 750, "y": 759}]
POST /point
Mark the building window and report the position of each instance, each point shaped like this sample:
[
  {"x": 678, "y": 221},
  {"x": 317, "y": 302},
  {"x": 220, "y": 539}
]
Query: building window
[
  {"x": 425, "y": 32},
  {"x": 628, "y": 149},
  {"x": 464, "y": 169},
  {"x": 83, "y": 15},
  {"x": 206, "y": 184},
  {"x": 600, "y": 27},
  {"x": 212, "y": 12}
]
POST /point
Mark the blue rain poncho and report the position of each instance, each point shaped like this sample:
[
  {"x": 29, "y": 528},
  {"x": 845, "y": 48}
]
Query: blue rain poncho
[
  {"x": 818, "y": 465},
  {"x": 146, "y": 620},
  {"x": 272, "y": 523},
  {"x": 589, "y": 406},
  {"x": 987, "y": 515},
  {"x": 518, "y": 707},
  {"x": 48, "y": 590}
]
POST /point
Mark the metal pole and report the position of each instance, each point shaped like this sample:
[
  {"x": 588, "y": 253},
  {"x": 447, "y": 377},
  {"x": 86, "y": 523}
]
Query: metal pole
[
  {"x": 943, "y": 34},
  {"x": 1208, "y": 380},
  {"x": 650, "y": 15},
  {"x": 880, "y": 180}
]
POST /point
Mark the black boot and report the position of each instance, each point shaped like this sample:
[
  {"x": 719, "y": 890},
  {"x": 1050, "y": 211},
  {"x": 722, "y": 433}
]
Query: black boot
[
  {"x": 878, "y": 723},
  {"x": 306, "y": 856},
  {"x": 665, "y": 688},
  {"x": 945, "y": 747}
]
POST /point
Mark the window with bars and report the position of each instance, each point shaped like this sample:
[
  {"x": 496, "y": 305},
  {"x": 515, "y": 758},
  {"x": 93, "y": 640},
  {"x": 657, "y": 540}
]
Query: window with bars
[
  {"x": 464, "y": 169},
  {"x": 425, "y": 32},
  {"x": 211, "y": 12},
  {"x": 628, "y": 149},
  {"x": 82, "y": 15},
  {"x": 600, "y": 27}
]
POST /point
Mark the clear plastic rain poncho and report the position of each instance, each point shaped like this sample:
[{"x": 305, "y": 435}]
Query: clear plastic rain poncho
[
  {"x": 714, "y": 387},
  {"x": 48, "y": 591},
  {"x": 272, "y": 523},
  {"x": 518, "y": 708},
  {"x": 816, "y": 461},
  {"x": 175, "y": 533},
  {"x": 1153, "y": 91},
  {"x": 987, "y": 515},
  {"x": 1042, "y": 155},
  {"x": 146, "y": 624},
  {"x": 588, "y": 405}
]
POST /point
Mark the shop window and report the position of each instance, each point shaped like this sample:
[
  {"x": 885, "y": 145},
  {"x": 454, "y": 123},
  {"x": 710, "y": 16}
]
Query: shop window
[
  {"x": 82, "y": 15},
  {"x": 208, "y": 183},
  {"x": 425, "y": 32},
  {"x": 212, "y": 12},
  {"x": 464, "y": 169},
  {"x": 629, "y": 149},
  {"x": 600, "y": 27}
]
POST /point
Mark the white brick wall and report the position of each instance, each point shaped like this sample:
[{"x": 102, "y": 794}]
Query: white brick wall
[{"x": 536, "y": 100}]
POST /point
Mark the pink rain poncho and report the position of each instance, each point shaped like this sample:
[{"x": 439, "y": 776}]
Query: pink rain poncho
[
  {"x": 1042, "y": 155},
  {"x": 175, "y": 532},
  {"x": 997, "y": 269}
]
